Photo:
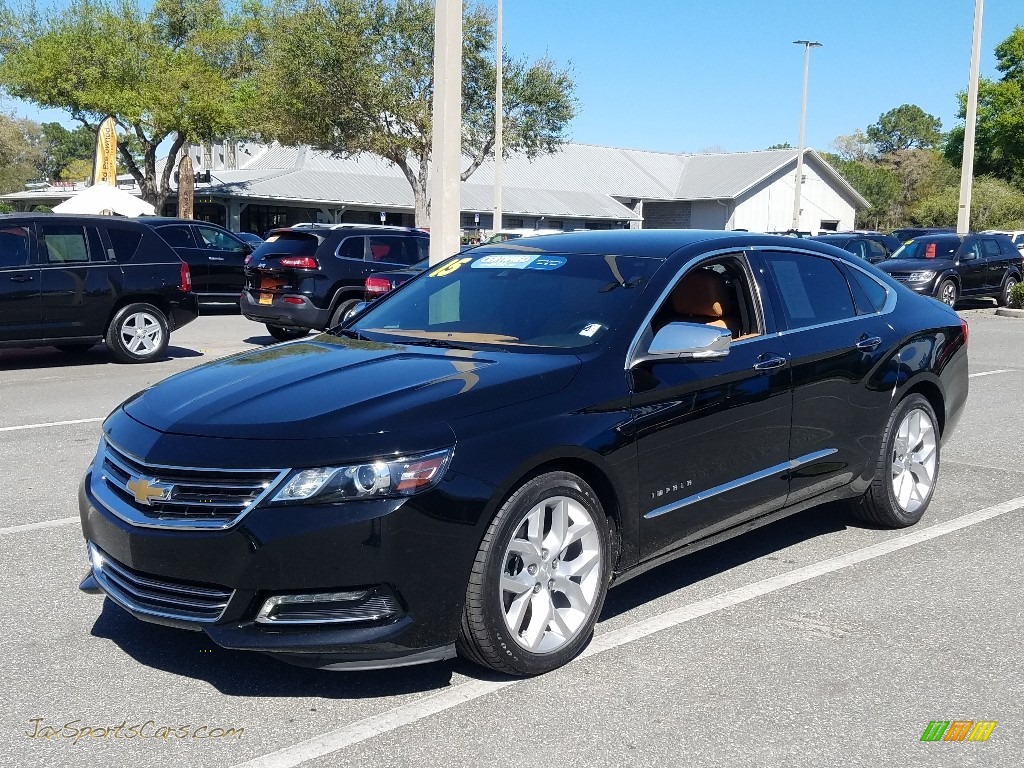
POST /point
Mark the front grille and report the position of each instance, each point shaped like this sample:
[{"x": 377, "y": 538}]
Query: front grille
[
  {"x": 156, "y": 596},
  {"x": 901, "y": 276},
  {"x": 161, "y": 496}
]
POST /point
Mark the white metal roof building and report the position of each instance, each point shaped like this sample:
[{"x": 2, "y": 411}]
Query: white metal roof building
[{"x": 254, "y": 187}]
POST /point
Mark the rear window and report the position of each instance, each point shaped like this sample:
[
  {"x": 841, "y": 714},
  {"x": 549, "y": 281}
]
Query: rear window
[{"x": 288, "y": 244}]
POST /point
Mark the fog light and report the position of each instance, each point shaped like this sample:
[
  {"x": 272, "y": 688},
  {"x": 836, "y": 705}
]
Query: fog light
[{"x": 328, "y": 608}]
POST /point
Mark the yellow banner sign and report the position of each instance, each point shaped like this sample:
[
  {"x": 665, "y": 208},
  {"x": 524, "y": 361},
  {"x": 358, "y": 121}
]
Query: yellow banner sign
[{"x": 104, "y": 169}]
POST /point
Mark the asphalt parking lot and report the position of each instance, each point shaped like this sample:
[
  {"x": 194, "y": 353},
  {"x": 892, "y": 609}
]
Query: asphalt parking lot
[{"x": 815, "y": 641}]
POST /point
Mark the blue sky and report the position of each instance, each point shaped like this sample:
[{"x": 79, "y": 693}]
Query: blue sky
[{"x": 686, "y": 76}]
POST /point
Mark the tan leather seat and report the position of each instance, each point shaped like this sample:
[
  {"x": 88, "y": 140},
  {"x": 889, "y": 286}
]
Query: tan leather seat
[{"x": 704, "y": 297}]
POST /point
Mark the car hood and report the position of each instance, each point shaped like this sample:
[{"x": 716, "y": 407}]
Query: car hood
[
  {"x": 333, "y": 387},
  {"x": 915, "y": 265}
]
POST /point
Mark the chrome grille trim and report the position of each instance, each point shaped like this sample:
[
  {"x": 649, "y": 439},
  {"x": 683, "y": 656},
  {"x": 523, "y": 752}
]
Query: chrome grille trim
[
  {"x": 152, "y": 596},
  {"x": 198, "y": 498}
]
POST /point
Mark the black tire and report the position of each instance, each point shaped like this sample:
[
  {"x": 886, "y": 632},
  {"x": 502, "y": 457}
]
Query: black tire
[
  {"x": 484, "y": 636},
  {"x": 338, "y": 315},
  {"x": 281, "y": 333},
  {"x": 137, "y": 334},
  {"x": 880, "y": 504},
  {"x": 75, "y": 348},
  {"x": 1004, "y": 297},
  {"x": 948, "y": 292}
]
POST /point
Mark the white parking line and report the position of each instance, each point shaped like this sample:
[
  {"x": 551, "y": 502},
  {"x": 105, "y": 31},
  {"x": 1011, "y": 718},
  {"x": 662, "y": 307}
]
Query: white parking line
[
  {"x": 37, "y": 526},
  {"x": 988, "y": 373},
  {"x": 391, "y": 720},
  {"x": 51, "y": 424}
]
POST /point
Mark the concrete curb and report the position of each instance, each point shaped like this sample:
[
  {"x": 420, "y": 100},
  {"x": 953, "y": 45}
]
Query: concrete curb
[{"x": 1006, "y": 312}]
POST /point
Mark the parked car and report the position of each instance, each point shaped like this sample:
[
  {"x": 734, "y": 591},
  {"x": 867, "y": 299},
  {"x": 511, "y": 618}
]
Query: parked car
[
  {"x": 873, "y": 247},
  {"x": 514, "y": 234},
  {"x": 909, "y": 233},
  {"x": 379, "y": 283},
  {"x": 215, "y": 256},
  {"x": 949, "y": 266},
  {"x": 447, "y": 473},
  {"x": 307, "y": 277},
  {"x": 250, "y": 238},
  {"x": 72, "y": 281},
  {"x": 1016, "y": 236}
]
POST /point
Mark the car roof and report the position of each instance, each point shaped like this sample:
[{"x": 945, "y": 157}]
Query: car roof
[
  {"x": 155, "y": 221},
  {"x": 93, "y": 217}
]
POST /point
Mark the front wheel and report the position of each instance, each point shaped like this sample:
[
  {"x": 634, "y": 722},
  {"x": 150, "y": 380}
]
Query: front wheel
[
  {"x": 338, "y": 316},
  {"x": 907, "y": 467},
  {"x": 539, "y": 579},
  {"x": 137, "y": 334},
  {"x": 281, "y": 333},
  {"x": 1004, "y": 297},
  {"x": 948, "y": 293}
]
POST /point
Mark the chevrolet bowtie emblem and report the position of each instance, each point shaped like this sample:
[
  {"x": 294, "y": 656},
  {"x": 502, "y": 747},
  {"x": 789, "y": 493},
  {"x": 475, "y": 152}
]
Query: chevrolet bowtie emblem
[{"x": 147, "y": 491}]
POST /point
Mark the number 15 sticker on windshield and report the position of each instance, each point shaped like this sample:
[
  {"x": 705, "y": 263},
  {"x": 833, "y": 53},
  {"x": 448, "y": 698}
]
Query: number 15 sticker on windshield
[{"x": 451, "y": 266}]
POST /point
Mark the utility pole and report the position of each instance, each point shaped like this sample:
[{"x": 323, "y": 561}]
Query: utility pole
[
  {"x": 446, "y": 153},
  {"x": 798, "y": 184},
  {"x": 963, "y": 214},
  {"x": 499, "y": 116}
]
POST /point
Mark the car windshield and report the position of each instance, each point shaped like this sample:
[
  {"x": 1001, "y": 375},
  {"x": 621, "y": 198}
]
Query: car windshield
[
  {"x": 928, "y": 248},
  {"x": 513, "y": 296}
]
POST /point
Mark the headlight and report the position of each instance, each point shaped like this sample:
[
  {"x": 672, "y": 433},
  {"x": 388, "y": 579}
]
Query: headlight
[
  {"x": 373, "y": 480},
  {"x": 921, "y": 277}
]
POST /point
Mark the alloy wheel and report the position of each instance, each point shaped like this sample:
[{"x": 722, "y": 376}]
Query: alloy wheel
[
  {"x": 550, "y": 575},
  {"x": 141, "y": 333},
  {"x": 914, "y": 460}
]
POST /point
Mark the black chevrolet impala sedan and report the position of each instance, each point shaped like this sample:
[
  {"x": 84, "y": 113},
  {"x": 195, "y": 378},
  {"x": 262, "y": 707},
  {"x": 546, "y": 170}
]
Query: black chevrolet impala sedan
[{"x": 468, "y": 464}]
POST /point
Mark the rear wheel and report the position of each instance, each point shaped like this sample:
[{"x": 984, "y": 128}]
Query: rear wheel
[
  {"x": 281, "y": 333},
  {"x": 948, "y": 292},
  {"x": 907, "y": 467},
  {"x": 1004, "y": 297},
  {"x": 540, "y": 578},
  {"x": 137, "y": 334},
  {"x": 341, "y": 310}
]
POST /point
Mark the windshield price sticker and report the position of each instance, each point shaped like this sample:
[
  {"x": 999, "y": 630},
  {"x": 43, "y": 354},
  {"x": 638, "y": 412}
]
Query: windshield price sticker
[{"x": 519, "y": 262}]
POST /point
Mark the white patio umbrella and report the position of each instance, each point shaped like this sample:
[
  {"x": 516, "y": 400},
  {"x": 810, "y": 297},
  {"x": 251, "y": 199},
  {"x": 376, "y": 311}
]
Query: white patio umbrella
[{"x": 103, "y": 198}]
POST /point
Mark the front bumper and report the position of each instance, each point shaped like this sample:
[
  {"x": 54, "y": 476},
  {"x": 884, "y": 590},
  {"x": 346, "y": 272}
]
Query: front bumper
[{"x": 401, "y": 548}]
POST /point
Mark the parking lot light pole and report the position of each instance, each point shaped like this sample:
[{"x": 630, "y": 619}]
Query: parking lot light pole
[
  {"x": 446, "y": 153},
  {"x": 499, "y": 159},
  {"x": 798, "y": 183},
  {"x": 963, "y": 214}
]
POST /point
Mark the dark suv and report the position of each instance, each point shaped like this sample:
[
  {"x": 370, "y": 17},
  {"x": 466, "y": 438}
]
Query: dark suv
[
  {"x": 72, "y": 281},
  {"x": 948, "y": 266},
  {"x": 215, "y": 256},
  {"x": 306, "y": 277}
]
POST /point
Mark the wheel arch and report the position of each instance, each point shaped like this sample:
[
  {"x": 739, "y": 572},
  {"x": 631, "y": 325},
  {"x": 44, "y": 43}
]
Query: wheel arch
[
  {"x": 154, "y": 299},
  {"x": 931, "y": 392}
]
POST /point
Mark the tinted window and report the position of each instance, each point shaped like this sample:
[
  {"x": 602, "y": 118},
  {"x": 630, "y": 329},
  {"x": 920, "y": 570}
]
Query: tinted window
[
  {"x": 393, "y": 250},
  {"x": 215, "y": 238},
  {"x": 351, "y": 248},
  {"x": 63, "y": 244},
  {"x": 868, "y": 293},
  {"x": 124, "y": 242},
  {"x": 876, "y": 251},
  {"x": 288, "y": 244},
  {"x": 813, "y": 289},
  {"x": 13, "y": 246},
  {"x": 990, "y": 249},
  {"x": 179, "y": 236},
  {"x": 928, "y": 248}
]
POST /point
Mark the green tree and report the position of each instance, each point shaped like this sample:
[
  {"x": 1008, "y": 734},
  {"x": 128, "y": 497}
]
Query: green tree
[
  {"x": 783, "y": 145},
  {"x": 21, "y": 152},
  {"x": 853, "y": 147},
  {"x": 995, "y": 204},
  {"x": 64, "y": 147},
  {"x": 171, "y": 71},
  {"x": 352, "y": 76},
  {"x": 905, "y": 127},
  {"x": 999, "y": 134},
  {"x": 880, "y": 186}
]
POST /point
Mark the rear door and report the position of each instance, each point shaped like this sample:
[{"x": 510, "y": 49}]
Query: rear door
[
  {"x": 78, "y": 281},
  {"x": 182, "y": 239},
  {"x": 19, "y": 283},
  {"x": 996, "y": 262},
  {"x": 225, "y": 258}
]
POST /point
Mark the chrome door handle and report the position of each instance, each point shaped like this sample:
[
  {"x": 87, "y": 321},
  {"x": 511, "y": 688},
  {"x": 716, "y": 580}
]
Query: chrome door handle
[
  {"x": 869, "y": 343},
  {"x": 22, "y": 279},
  {"x": 769, "y": 363},
  {"x": 215, "y": 258}
]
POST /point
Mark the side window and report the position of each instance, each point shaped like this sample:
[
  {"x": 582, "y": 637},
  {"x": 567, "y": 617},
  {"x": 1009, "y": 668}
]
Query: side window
[
  {"x": 392, "y": 250},
  {"x": 422, "y": 248},
  {"x": 812, "y": 289},
  {"x": 14, "y": 251},
  {"x": 124, "y": 242},
  {"x": 990, "y": 248},
  {"x": 351, "y": 248},
  {"x": 221, "y": 241},
  {"x": 63, "y": 244},
  {"x": 178, "y": 236},
  {"x": 876, "y": 251},
  {"x": 715, "y": 293},
  {"x": 868, "y": 294},
  {"x": 969, "y": 252}
]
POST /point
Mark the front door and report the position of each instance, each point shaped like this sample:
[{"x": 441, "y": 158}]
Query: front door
[
  {"x": 19, "y": 284},
  {"x": 972, "y": 268},
  {"x": 225, "y": 259}
]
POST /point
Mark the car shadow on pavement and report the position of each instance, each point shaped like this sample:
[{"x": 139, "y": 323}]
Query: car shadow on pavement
[
  {"x": 40, "y": 358},
  {"x": 763, "y": 542},
  {"x": 245, "y": 673}
]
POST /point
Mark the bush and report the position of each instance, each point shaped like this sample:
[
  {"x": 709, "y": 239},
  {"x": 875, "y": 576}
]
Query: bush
[{"x": 1017, "y": 296}]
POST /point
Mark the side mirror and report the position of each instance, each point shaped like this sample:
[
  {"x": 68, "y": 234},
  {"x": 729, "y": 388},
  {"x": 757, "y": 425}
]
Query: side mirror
[
  {"x": 687, "y": 341},
  {"x": 357, "y": 309}
]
